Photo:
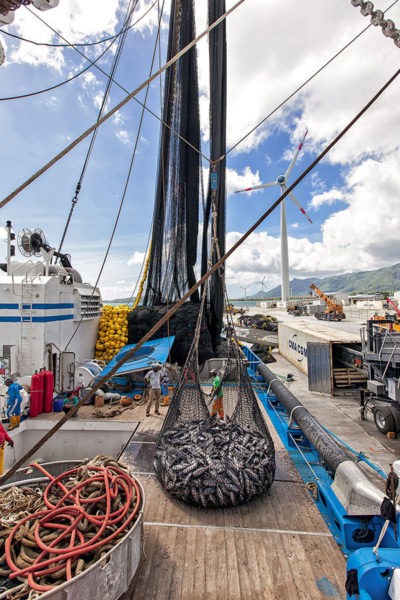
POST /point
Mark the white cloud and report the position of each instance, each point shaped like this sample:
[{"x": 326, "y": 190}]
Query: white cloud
[
  {"x": 362, "y": 236},
  {"x": 137, "y": 258},
  {"x": 236, "y": 181},
  {"x": 326, "y": 198},
  {"x": 123, "y": 136}
]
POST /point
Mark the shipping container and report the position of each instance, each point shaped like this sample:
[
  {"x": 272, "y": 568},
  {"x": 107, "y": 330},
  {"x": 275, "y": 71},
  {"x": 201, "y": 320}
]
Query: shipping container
[{"x": 331, "y": 359}]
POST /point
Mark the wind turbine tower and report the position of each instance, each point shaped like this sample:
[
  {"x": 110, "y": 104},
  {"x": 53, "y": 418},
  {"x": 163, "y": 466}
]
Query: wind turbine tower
[{"x": 281, "y": 180}]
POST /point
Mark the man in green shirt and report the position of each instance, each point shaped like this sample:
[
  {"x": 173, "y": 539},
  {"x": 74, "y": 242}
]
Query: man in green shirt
[{"x": 217, "y": 395}]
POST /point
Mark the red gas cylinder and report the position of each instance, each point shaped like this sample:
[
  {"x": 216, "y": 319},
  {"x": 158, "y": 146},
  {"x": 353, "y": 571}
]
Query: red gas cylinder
[
  {"x": 41, "y": 392},
  {"x": 48, "y": 391},
  {"x": 36, "y": 395}
]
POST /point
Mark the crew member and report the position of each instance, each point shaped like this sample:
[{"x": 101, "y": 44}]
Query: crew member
[
  {"x": 4, "y": 437},
  {"x": 13, "y": 403},
  {"x": 229, "y": 332},
  {"x": 69, "y": 402},
  {"x": 164, "y": 386},
  {"x": 217, "y": 395},
  {"x": 153, "y": 380}
]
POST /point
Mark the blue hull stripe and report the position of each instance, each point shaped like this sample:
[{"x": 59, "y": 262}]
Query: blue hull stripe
[
  {"x": 36, "y": 319},
  {"x": 38, "y": 306}
]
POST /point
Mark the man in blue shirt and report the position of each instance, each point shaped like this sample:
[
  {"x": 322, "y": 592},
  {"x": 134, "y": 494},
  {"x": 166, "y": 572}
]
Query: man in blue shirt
[{"x": 13, "y": 403}]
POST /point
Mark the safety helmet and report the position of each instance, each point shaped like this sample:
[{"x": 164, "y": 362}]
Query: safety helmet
[{"x": 213, "y": 371}]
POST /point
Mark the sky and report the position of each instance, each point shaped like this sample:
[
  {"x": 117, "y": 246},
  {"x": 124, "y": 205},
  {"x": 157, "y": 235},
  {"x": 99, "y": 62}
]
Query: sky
[{"x": 274, "y": 47}]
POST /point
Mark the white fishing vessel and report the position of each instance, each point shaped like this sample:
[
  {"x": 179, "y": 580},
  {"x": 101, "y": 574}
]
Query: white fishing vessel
[{"x": 49, "y": 317}]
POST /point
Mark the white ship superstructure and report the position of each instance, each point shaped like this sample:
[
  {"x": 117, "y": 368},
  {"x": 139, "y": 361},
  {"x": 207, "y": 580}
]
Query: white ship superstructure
[{"x": 48, "y": 317}]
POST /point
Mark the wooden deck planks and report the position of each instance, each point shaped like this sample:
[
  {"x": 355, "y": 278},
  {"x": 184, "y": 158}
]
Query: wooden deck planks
[
  {"x": 196, "y": 563},
  {"x": 276, "y": 546}
]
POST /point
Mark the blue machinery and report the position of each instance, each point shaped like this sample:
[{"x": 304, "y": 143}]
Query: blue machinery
[{"x": 348, "y": 502}]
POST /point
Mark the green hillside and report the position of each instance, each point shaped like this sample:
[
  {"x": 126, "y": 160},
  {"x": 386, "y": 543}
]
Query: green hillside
[{"x": 386, "y": 279}]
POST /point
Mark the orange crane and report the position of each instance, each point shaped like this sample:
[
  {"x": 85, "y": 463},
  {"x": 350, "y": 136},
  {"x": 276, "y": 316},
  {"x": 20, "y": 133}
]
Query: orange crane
[
  {"x": 394, "y": 306},
  {"x": 333, "y": 311}
]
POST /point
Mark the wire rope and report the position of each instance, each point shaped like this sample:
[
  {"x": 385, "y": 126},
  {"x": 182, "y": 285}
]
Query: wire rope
[
  {"x": 117, "y": 107},
  {"x": 116, "y": 221},
  {"x": 297, "y": 90},
  {"x": 62, "y": 83},
  {"x": 131, "y": 7},
  {"x": 79, "y": 44}
]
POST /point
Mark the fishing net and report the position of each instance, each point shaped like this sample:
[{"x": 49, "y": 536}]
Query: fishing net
[
  {"x": 176, "y": 211},
  {"x": 205, "y": 460},
  {"x": 216, "y": 185}
]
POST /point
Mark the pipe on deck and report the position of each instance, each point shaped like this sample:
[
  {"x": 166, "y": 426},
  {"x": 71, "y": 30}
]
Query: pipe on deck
[{"x": 331, "y": 454}]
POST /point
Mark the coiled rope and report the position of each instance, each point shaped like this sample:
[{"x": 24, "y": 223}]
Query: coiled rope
[{"x": 86, "y": 509}]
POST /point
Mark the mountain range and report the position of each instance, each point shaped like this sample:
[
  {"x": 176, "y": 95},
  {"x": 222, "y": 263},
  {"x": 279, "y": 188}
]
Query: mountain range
[{"x": 386, "y": 279}]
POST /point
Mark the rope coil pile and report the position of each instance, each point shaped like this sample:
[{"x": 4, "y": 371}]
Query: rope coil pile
[{"x": 80, "y": 516}]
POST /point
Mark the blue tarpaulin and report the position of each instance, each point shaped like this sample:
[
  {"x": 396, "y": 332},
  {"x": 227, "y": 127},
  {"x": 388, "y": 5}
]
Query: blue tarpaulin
[{"x": 152, "y": 351}]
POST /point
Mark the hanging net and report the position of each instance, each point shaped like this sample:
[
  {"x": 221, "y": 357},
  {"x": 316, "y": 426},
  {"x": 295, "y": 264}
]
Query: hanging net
[
  {"x": 218, "y": 94},
  {"x": 205, "y": 460},
  {"x": 176, "y": 211}
]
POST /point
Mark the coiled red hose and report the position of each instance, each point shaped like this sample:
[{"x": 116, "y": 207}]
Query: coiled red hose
[{"x": 69, "y": 514}]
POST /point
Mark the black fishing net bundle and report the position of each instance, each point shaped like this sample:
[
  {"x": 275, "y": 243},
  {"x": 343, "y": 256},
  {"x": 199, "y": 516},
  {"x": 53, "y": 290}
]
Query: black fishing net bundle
[
  {"x": 204, "y": 460},
  {"x": 176, "y": 211},
  {"x": 173, "y": 252},
  {"x": 182, "y": 325}
]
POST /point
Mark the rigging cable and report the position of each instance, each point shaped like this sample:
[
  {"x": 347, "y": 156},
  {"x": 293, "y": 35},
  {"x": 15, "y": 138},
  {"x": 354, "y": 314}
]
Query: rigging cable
[
  {"x": 181, "y": 137},
  {"x": 75, "y": 44},
  {"x": 91, "y": 64},
  {"x": 116, "y": 221},
  {"x": 131, "y": 7},
  {"x": 196, "y": 286},
  {"x": 307, "y": 81},
  {"x": 116, "y": 108}
]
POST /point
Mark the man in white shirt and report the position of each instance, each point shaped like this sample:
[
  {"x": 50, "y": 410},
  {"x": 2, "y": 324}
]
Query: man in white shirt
[{"x": 153, "y": 380}]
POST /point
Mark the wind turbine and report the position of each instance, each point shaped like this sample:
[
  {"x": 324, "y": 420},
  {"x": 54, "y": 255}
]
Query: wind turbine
[
  {"x": 262, "y": 285},
  {"x": 281, "y": 180}
]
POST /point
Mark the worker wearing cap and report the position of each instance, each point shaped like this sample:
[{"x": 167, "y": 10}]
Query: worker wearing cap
[
  {"x": 153, "y": 380},
  {"x": 217, "y": 395},
  {"x": 13, "y": 403},
  {"x": 164, "y": 385},
  {"x": 4, "y": 437}
]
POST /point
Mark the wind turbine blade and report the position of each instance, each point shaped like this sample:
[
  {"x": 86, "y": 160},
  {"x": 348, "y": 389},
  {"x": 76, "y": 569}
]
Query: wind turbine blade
[
  {"x": 297, "y": 203},
  {"x": 257, "y": 187},
  {"x": 296, "y": 154}
]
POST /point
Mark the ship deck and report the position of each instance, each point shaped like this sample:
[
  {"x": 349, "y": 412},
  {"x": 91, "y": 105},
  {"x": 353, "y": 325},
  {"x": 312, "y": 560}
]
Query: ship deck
[{"x": 276, "y": 546}]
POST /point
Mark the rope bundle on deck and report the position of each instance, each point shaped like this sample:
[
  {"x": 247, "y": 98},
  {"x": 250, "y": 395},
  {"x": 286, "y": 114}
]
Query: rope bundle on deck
[{"x": 78, "y": 518}]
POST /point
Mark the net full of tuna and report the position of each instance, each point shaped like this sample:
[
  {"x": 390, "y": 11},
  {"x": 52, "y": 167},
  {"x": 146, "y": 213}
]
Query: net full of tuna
[
  {"x": 57, "y": 530},
  {"x": 210, "y": 462}
]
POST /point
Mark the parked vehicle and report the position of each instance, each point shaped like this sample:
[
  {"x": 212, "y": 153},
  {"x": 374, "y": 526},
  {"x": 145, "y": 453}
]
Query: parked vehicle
[
  {"x": 333, "y": 310},
  {"x": 381, "y": 352}
]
